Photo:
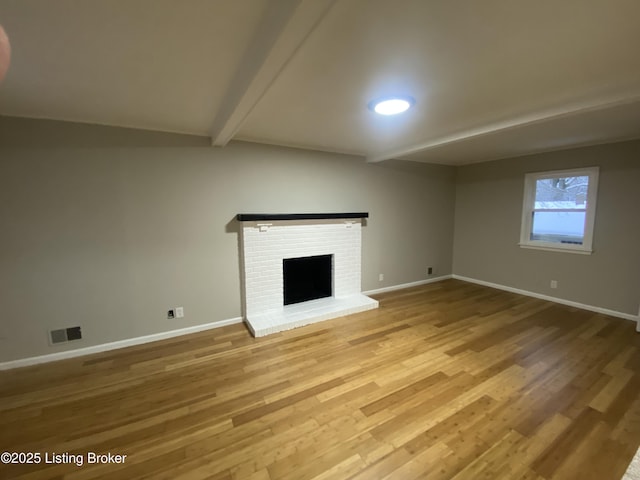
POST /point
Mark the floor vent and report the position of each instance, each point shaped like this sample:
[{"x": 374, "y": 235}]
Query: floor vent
[{"x": 65, "y": 335}]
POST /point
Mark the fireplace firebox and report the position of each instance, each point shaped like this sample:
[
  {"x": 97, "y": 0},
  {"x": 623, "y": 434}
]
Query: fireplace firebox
[{"x": 307, "y": 278}]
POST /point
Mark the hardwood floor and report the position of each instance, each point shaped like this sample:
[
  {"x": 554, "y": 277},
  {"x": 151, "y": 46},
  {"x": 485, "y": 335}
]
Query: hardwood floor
[{"x": 447, "y": 380}]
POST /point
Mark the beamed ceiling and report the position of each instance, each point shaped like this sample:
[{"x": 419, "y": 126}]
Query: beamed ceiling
[{"x": 491, "y": 79}]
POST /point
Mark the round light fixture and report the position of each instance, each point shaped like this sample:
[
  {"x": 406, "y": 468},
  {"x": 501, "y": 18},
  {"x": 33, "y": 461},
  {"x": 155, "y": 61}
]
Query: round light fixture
[{"x": 392, "y": 105}]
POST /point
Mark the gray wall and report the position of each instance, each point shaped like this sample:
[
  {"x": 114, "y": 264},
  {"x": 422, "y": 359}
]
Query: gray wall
[
  {"x": 487, "y": 229},
  {"x": 109, "y": 228}
]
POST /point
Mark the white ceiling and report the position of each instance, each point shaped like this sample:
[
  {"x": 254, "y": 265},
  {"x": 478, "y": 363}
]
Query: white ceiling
[{"x": 491, "y": 79}]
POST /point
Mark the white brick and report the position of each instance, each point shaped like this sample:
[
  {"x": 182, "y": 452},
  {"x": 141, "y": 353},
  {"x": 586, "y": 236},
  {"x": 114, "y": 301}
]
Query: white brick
[{"x": 263, "y": 253}]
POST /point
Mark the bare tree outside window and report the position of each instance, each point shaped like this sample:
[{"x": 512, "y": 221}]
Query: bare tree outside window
[{"x": 562, "y": 189}]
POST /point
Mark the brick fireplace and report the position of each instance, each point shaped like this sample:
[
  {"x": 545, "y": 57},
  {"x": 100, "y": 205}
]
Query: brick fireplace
[{"x": 267, "y": 240}]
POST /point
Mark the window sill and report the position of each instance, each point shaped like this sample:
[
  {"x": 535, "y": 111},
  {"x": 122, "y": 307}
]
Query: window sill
[{"x": 554, "y": 248}]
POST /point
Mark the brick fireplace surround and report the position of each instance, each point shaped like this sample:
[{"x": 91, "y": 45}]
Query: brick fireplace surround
[{"x": 267, "y": 239}]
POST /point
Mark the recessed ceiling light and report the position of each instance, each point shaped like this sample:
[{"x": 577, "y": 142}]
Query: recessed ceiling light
[{"x": 391, "y": 105}]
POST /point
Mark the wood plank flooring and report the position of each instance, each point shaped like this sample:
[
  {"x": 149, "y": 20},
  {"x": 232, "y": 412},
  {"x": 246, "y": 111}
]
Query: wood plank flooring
[{"x": 444, "y": 381}]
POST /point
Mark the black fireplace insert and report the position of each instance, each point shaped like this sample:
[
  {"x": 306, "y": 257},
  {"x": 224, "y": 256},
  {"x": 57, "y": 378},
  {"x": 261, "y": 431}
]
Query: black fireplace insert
[{"x": 307, "y": 278}]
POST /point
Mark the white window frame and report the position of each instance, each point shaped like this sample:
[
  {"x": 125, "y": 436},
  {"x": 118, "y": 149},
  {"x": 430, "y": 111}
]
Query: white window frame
[{"x": 528, "y": 207}]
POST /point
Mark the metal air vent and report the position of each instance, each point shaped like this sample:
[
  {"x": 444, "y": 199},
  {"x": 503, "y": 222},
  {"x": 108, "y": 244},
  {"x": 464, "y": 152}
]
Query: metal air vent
[{"x": 65, "y": 335}]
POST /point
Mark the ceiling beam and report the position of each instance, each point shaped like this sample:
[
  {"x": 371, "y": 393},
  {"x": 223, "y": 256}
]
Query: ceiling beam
[
  {"x": 519, "y": 122},
  {"x": 283, "y": 29}
]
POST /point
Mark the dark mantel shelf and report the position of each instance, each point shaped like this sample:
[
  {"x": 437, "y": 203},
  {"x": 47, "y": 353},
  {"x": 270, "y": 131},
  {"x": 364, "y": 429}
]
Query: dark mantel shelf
[{"x": 258, "y": 217}]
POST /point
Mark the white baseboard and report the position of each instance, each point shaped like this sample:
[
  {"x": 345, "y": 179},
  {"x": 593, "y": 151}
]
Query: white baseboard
[
  {"x": 591, "y": 308},
  {"x": 105, "y": 347},
  {"x": 406, "y": 285}
]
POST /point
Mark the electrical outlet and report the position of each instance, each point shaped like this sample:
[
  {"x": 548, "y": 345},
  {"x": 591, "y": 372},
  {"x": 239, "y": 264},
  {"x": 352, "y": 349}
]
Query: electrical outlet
[
  {"x": 171, "y": 314},
  {"x": 554, "y": 284},
  {"x": 179, "y": 312},
  {"x": 381, "y": 277},
  {"x": 429, "y": 270}
]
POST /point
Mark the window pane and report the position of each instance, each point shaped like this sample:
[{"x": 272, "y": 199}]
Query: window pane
[
  {"x": 562, "y": 192},
  {"x": 559, "y": 227}
]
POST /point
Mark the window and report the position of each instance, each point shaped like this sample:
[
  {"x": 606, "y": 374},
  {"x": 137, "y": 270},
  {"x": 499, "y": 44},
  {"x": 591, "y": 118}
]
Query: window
[{"x": 559, "y": 210}]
